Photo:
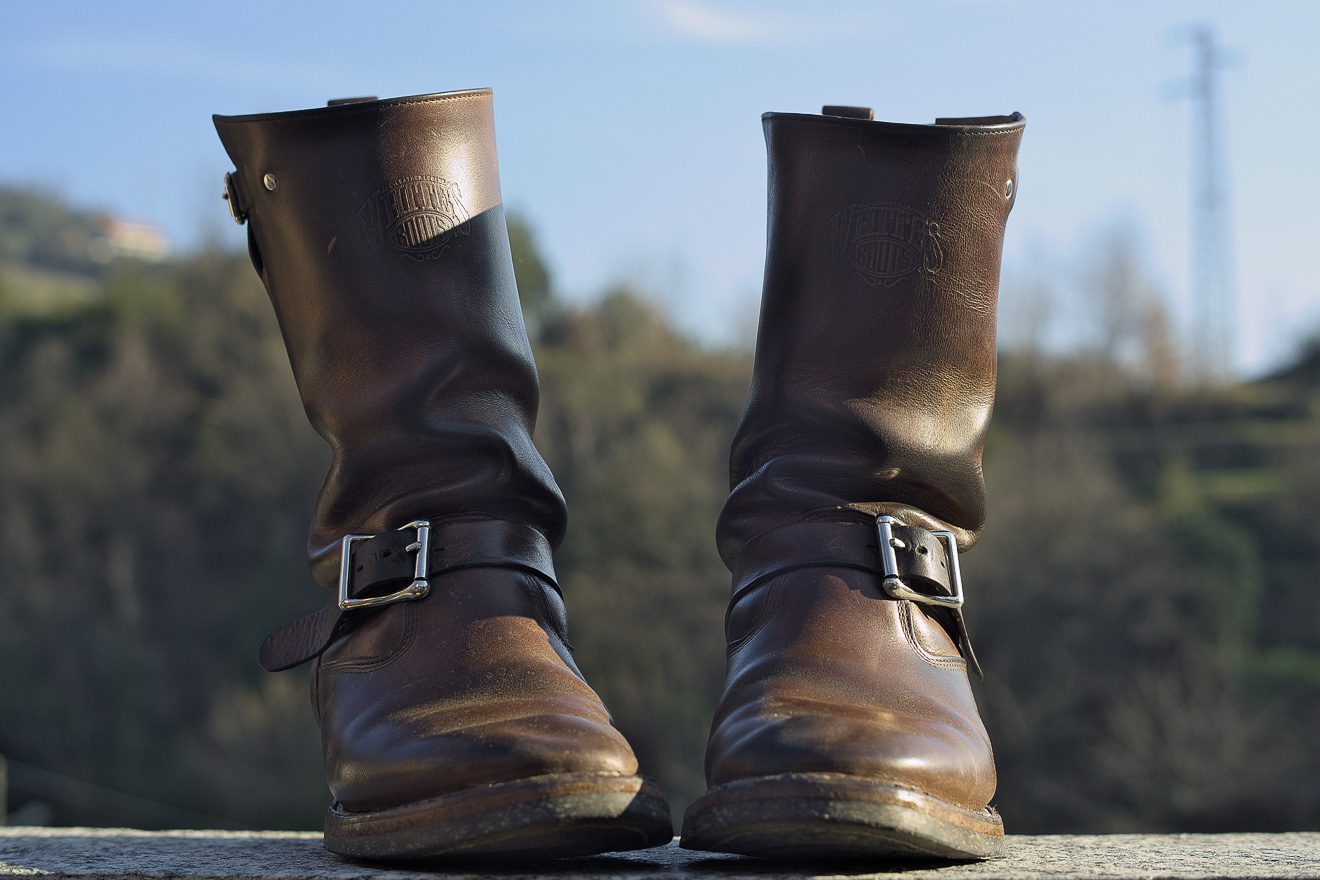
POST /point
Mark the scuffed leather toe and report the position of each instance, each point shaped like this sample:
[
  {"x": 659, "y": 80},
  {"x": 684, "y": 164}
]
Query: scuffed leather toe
[
  {"x": 469, "y": 688},
  {"x": 829, "y": 678}
]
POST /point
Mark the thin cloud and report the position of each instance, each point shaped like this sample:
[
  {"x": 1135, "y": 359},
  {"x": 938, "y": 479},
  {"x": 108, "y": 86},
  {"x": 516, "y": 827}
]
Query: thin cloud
[{"x": 702, "y": 22}]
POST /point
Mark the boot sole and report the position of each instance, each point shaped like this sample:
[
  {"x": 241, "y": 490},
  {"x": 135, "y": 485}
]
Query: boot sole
[
  {"x": 831, "y": 816},
  {"x": 543, "y": 817}
]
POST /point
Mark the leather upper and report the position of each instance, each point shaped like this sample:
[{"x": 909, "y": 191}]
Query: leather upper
[
  {"x": 378, "y": 231},
  {"x": 875, "y": 356},
  {"x": 384, "y": 220},
  {"x": 871, "y": 394}
]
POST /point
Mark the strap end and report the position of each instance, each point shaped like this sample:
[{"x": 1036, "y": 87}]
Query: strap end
[
  {"x": 295, "y": 643},
  {"x": 272, "y": 659}
]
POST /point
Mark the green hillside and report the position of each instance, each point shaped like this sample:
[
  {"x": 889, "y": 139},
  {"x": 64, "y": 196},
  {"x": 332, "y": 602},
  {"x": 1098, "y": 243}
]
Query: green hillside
[{"x": 1144, "y": 599}]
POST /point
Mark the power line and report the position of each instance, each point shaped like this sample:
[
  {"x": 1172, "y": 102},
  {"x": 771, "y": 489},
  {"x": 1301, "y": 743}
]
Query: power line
[{"x": 124, "y": 808}]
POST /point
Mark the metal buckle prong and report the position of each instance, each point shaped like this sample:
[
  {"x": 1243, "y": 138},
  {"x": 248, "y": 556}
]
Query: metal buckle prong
[
  {"x": 422, "y": 550},
  {"x": 419, "y": 587},
  {"x": 894, "y": 585}
]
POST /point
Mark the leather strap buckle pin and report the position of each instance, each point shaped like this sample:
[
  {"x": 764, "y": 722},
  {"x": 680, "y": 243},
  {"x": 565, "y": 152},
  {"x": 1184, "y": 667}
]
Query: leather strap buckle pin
[
  {"x": 415, "y": 590},
  {"x": 894, "y": 585}
]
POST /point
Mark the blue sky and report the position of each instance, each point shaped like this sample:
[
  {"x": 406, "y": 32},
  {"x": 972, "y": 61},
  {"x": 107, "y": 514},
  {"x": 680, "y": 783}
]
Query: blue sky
[{"x": 629, "y": 131}]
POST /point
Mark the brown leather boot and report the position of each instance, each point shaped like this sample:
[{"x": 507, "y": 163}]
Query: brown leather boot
[
  {"x": 847, "y": 726},
  {"x": 453, "y": 719}
]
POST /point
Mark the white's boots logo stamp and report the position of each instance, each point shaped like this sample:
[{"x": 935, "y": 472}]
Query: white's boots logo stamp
[
  {"x": 884, "y": 242},
  {"x": 419, "y": 216}
]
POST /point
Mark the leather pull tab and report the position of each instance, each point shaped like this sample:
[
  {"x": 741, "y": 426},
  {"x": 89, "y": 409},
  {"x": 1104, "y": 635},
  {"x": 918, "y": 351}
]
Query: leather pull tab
[
  {"x": 335, "y": 102},
  {"x": 848, "y": 112},
  {"x": 237, "y": 211}
]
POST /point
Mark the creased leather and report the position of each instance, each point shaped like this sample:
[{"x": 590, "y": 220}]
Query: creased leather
[
  {"x": 378, "y": 230},
  {"x": 426, "y": 394},
  {"x": 872, "y": 386},
  {"x": 871, "y": 394}
]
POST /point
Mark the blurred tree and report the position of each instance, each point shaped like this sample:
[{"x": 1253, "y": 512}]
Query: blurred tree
[
  {"x": 1144, "y": 597},
  {"x": 532, "y": 274},
  {"x": 41, "y": 231}
]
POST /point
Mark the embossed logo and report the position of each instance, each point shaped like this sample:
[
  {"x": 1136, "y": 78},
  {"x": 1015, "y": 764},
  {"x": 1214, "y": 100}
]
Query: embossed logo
[
  {"x": 885, "y": 242},
  {"x": 419, "y": 216}
]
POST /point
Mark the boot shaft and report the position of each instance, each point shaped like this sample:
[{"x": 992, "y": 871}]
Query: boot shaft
[
  {"x": 379, "y": 232},
  {"x": 875, "y": 357}
]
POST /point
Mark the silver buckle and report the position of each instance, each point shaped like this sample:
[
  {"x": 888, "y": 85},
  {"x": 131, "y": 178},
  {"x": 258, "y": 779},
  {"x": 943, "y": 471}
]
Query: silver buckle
[
  {"x": 894, "y": 585},
  {"x": 416, "y": 590},
  {"x": 230, "y": 196}
]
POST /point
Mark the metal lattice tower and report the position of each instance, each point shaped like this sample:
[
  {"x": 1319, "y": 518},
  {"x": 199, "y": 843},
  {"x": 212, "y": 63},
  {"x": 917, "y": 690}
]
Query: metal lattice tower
[{"x": 1214, "y": 306}]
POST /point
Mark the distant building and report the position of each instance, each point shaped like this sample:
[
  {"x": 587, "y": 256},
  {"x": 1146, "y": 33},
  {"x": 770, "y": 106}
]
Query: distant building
[{"x": 125, "y": 238}]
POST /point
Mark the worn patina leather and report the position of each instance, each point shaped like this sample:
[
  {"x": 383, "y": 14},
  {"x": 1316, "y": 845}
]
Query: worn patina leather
[
  {"x": 379, "y": 232},
  {"x": 872, "y": 392}
]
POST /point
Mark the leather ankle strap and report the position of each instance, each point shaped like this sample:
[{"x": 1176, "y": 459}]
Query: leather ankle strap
[
  {"x": 921, "y": 561},
  {"x": 379, "y": 564}
]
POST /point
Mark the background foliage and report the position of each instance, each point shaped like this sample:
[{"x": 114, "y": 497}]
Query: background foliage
[{"x": 1144, "y": 599}]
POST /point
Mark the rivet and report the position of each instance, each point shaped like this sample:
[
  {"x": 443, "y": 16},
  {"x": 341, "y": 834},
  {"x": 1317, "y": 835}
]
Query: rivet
[
  {"x": 269, "y": 181},
  {"x": 1008, "y": 188}
]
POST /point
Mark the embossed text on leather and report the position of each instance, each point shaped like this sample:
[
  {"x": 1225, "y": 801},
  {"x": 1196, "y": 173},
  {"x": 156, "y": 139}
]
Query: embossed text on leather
[
  {"x": 419, "y": 216},
  {"x": 885, "y": 242}
]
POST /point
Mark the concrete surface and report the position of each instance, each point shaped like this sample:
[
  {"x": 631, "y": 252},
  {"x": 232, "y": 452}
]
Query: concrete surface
[{"x": 111, "y": 853}]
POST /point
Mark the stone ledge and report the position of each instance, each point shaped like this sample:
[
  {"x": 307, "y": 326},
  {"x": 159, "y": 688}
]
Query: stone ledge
[{"x": 118, "y": 853}]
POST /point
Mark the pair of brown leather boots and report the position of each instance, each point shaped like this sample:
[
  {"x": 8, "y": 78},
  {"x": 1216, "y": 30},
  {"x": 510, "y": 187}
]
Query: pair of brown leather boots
[{"x": 454, "y": 720}]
